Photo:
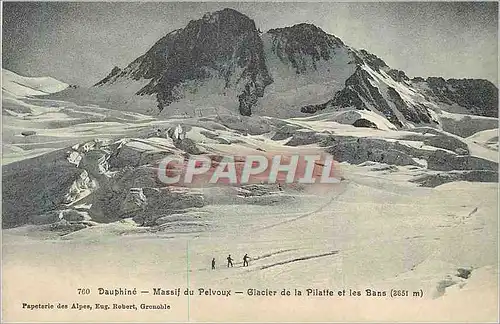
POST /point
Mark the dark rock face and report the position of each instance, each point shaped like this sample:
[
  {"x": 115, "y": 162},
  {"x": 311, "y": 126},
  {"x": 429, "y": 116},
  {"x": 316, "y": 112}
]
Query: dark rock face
[
  {"x": 371, "y": 60},
  {"x": 285, "y": 132},
  {"x": 298, "y": 43},
  {"x": 41, "y": 190},
  {"x": 447, "y": 142},
  {"x": 351, "y": 96},
  {"x": 311, "y": 109},
  {"x": 359, "y": 150},
  {"x": 358, "y": 91},
  {"x": 443, "y": 141},
  {"x": 362, "y": 122},
  {"x": 374, "y": 96},
  {"x": 467, "y": 126},
  {"x": 65, "y": 227},
  {"x": 444, "y": 161},
  {"x": 249, "y": 97},
  {"x": 418, "y": 114},
  {"x": 305, "y": 138},
  {"x": 28, "y": 133},
  {"x": 217, "y": 44},
  {"x": 225, "y": 45},
  {"x": 480, "y": 97},
  {"x": 111, "y": 76},
  {"x": 164, "y": 202},
  {"x": 398, "y": 75},
  {"x": 35, "y": 186},
  {"x": 353, "y": 93},
  {"x": 434, "y": 180}
]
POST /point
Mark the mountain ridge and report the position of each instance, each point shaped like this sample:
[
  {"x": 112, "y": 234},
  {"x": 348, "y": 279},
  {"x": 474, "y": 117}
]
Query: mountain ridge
[{"x": 224, "y": 57}]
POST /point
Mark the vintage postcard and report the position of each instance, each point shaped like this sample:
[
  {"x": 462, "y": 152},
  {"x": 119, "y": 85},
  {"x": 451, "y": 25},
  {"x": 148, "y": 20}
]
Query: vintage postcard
[{"x": 249, "y": 162}]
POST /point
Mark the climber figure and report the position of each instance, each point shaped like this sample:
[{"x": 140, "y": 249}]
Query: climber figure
[
  {"x": 245, "y": 260},
  {"x": 213, "y": 264},
  {"x": 229, "y": 261}
]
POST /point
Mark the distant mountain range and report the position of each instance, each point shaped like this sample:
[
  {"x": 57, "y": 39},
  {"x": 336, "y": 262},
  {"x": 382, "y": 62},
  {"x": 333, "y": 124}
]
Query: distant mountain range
[{"x": 223, "y": 63}]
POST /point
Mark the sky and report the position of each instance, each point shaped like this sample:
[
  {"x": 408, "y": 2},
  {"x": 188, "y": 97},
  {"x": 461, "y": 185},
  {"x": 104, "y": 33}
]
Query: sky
[{"x": 80, "y": 43}]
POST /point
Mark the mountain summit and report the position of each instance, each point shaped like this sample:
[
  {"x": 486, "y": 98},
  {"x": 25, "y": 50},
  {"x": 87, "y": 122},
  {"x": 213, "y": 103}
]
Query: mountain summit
[
  {"x": 298, "y": 43},
  {"x": 222, "y": 63},
  {"x": 222, "y": 51}
]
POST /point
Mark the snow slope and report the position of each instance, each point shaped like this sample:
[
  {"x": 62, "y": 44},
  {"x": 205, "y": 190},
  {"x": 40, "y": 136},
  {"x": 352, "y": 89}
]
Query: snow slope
[
  {"x": 338, "y": 240},
  {"x": 32, "y": 126},
  {"x": 416, "y": 210},
  {"x": 374, "y": 230},
  {"x": 290, "y": 91},
  {"x": 488, "y": 138},
  {"x": 20, "y": 86}
]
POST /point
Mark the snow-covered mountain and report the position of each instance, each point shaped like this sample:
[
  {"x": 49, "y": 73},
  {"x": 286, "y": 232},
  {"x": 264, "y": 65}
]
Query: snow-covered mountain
[
  {"x": 417, "y": 161},
  {"x": 220, "y": 54},
  {"x": 300, "y": 85},
  {"x": 223, "y": 63},
  {"x": 15, "y": 85},
  {"x": 470, "y": 96}
]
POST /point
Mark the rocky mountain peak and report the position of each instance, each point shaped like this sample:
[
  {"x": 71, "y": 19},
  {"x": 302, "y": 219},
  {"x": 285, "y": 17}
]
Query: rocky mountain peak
[
  {"x": 226, "y": 21},
  {"x": 114, "y": 73},
  {"x": 478, "y": 96},
  {"x": 296, "y": 43},
  {"x": 372, "y": 60},
  {"x": 225, "y": 55},
  {"x": 304, "y": 33},
  {"x": 222, "y": 45},
  {"x": 226, "y": 15}
]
